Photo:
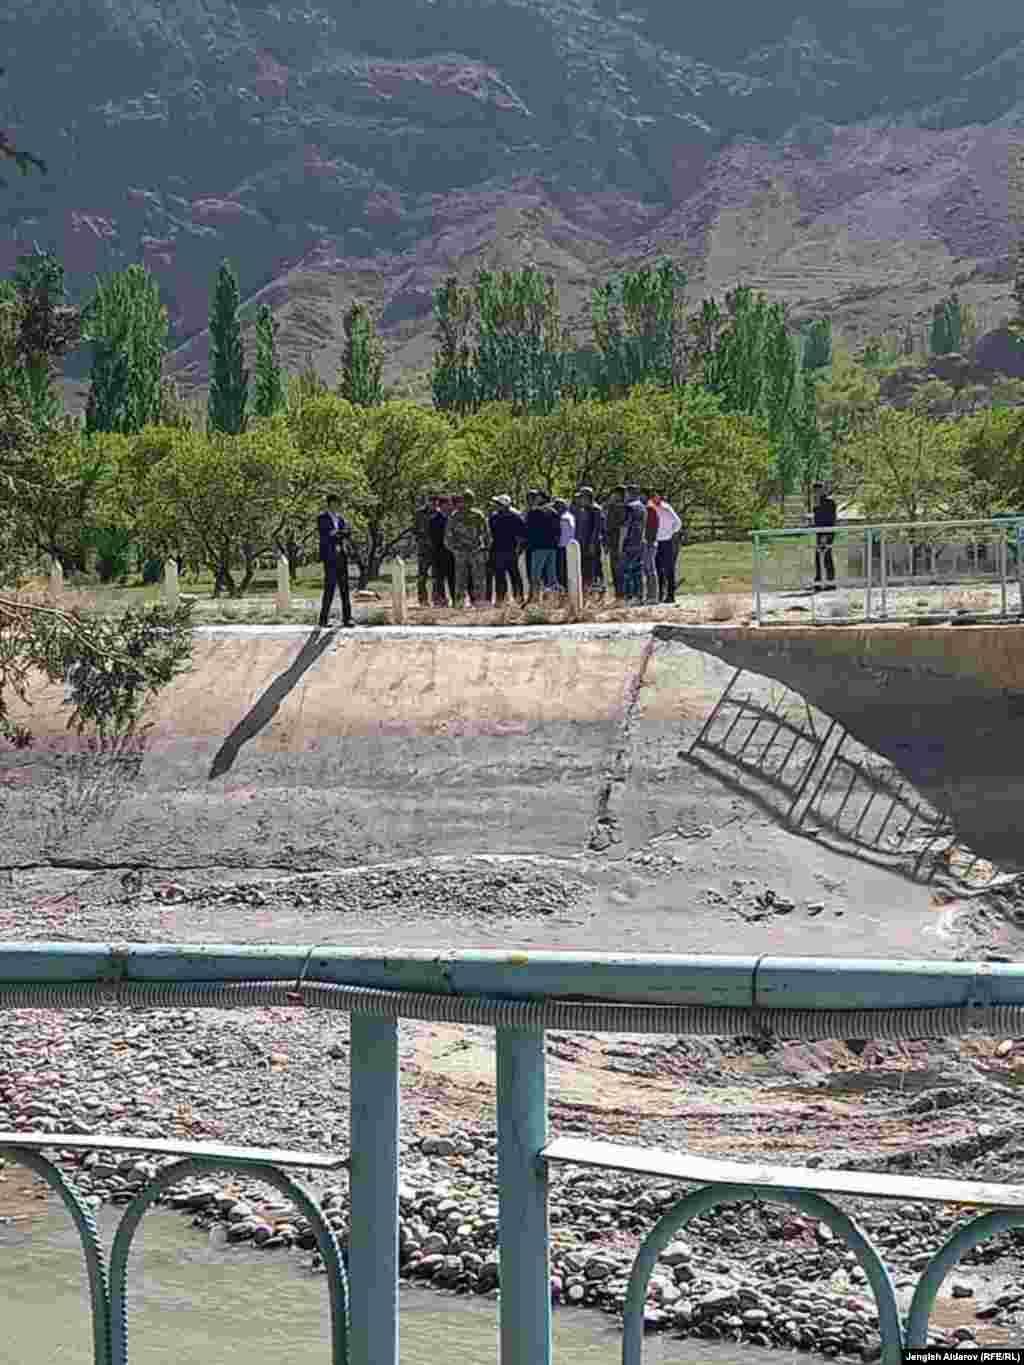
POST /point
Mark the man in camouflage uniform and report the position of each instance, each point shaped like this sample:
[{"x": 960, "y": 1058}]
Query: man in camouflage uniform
[{"x": 468, "y": 538}]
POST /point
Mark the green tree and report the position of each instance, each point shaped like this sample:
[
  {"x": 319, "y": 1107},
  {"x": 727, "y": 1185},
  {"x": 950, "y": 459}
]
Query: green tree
[
  {"x": 362, "y": 360},
  {"x": 947, "y": 332},
  {"x": 229, "y": 380},
  {"x": 269, "y": 391},
  {"x": 818, "y": 345},
  {"x": 109, "y": 666},
  {"x": 637, "y": 328},
  {"x": 128, "y": 327},
  {"x": 403, "y": 449},
  {"x": 992, "y": 452},
  {"x": 500, "y": 342},
  {"x": 909, "y": 467},
  {"x": 453, "y": 379},
  {"x": 521, "y": 350},
  {"x": 38, "y": 330}
]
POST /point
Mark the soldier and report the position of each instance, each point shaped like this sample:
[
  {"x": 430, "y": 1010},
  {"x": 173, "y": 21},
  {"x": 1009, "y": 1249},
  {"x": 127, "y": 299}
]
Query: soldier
[
  {"x": 467, "y": 536},
  {"x": 615, "y": 520},
  {"x": 424, "y": 547}
]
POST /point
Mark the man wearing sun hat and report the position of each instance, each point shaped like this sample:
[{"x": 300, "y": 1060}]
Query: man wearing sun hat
[{"x": 508, "y": 534}]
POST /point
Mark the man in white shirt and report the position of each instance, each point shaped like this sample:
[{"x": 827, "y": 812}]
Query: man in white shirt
[
  {"x": 567, "y": 532},
  {"x": 669, "y": 526}
]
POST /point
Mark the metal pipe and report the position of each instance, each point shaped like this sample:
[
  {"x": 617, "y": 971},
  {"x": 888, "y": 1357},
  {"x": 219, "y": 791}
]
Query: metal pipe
[
  {"x": 1002, "y": 575},
  {"x": 525, "y": 1273},
  {"x": 757, "y": 578},
  {"x": 373, "y": 1185},
  {"x": 884, "y": 577},
  {"x": 557, "y": 981},
  {"x": 869, "y": 569}
]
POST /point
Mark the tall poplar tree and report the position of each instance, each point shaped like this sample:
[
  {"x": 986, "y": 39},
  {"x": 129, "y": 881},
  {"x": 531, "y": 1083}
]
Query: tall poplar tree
[
  {"x": 637, "y": 328},
  {"x": 362, "y": 360},
  {"x": 229, "y": 379},
  {"x": 128, "y": 327},
  {"x": 269, "y": 392}
]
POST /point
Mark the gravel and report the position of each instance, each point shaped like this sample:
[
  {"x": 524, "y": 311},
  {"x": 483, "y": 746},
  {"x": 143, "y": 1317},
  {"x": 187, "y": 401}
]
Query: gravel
[{"x": 480, "y": 892}]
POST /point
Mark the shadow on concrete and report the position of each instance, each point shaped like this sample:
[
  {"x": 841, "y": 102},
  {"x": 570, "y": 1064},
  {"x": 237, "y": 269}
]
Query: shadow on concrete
[
  {"x": 267, "y": 706},
  {"x": 826, "y": 786}
]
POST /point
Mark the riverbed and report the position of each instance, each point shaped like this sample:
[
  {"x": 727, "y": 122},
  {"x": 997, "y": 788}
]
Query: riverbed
[{"x": 196, "y": 1300}]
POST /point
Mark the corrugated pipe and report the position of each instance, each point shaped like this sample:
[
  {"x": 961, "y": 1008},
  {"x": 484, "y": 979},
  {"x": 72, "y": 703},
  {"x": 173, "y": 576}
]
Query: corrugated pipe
[{"x": 531, "y": 1015}]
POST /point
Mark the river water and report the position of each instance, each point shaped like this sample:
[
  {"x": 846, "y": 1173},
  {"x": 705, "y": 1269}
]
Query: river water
[{"x": 193, "y": 1300}]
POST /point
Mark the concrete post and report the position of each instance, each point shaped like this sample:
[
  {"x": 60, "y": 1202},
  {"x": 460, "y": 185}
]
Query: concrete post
[
  {"x": 283, "y": 598},
  {"x": 56, "y": 578},
  {"x": 171, "y": 583},
  {"x": 525, "y": 1306},
  {"x": 574, "y": 575},
  {"x": 373, "y": 1185},
  {"x": 400, "y": 612}
]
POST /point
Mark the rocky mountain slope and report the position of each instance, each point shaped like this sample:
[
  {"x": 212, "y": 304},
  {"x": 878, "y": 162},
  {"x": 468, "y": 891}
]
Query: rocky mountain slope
[{"x": 856, "y": 161}]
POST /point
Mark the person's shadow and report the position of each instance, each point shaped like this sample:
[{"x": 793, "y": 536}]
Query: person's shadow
[{"x": 266, "y": 707}]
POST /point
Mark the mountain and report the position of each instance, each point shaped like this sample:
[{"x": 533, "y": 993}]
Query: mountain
[{"x": 855, "y": 160}]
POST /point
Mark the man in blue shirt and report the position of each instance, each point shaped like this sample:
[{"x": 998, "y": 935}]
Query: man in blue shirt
[
  {"x": 543, "y": 531},
  {"x": 508, "y": 533},
  {"x": 333, "y": 528}
]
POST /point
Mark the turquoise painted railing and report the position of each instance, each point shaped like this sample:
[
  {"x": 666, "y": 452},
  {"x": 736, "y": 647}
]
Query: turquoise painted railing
[{"x": 521, "y": 996}]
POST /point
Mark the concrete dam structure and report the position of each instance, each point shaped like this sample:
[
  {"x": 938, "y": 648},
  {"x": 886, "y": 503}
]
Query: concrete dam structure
[{"x": 945, "y": 705}]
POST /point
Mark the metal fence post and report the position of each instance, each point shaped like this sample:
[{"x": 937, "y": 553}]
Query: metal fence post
[
  {"x": 884, "y": 577},
  {"x": 868, "y": 574},
  {"x": 1002, "y": 575},
  {"x": 373, "y": 1247},
  {"x": 523, "y": 1199},
  {"x": 757, "y": 577}
]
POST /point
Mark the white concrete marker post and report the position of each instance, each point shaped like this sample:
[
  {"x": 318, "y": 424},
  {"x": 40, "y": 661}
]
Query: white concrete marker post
[
  {"x": 283, "y": 598},
  {"x": 574, "y": 574},
  {"x": 171, "y": 583},
  {"x": 398, "y": 595},
  {"x": 56, "y": 578}
]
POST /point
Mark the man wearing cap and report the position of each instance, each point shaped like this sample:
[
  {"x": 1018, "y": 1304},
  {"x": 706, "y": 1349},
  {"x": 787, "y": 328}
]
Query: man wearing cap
[
  {"x": 424, "y": 547},
  {"x": 466, "y": 535},
  {"x": 508, "y": 533}
]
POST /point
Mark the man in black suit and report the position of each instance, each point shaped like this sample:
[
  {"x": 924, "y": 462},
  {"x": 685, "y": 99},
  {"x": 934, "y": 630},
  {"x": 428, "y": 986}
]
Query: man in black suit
[
  {"x": 824, "y": 515},
  {"x": 333, "y": 529}
]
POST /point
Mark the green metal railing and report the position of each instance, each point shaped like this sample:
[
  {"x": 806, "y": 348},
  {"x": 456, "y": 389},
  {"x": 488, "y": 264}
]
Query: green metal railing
[
  {"x": 520, "y": 995},
  {"x": 884, "y": 561}
]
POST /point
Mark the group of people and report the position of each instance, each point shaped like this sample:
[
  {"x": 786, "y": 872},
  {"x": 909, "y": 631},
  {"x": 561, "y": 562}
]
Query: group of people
[{"x": 463, "y": 552}]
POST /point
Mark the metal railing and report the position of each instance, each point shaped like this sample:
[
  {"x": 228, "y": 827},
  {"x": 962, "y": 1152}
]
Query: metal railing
[
  {"x": 520, "y": 995},
  {"x": 893, "y": 570}
]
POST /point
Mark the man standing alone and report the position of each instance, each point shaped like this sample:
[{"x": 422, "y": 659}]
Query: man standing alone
[
  {"x": 824, "y": 515},
  {"x": 333, "y": 529}
]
